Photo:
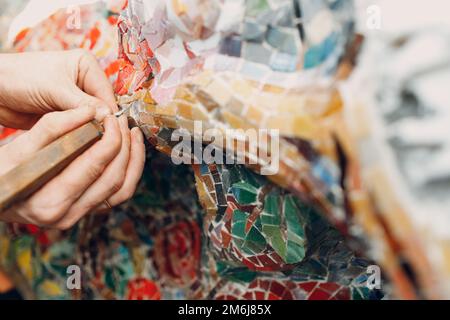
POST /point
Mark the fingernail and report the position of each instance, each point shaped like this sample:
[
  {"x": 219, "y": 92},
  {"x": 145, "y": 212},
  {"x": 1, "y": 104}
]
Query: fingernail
[{"x": 138, "y": 134}]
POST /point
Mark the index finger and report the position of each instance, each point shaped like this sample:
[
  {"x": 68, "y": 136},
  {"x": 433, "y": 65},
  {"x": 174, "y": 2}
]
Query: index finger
[
  {"x": 50, "y": 203},
  {"x": 93, "y": 80}
]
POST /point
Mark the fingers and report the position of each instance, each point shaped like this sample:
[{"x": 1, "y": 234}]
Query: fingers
[
  {"x": 50, "y": 203},
  {"x": 93, "y": 80},
  {"x": 111, "y": 170},
  {"x": 134, "y": 170},
  {"x": 49, "y": 128},
  {"x": 94, "y": 198},
  {"x": 109, "y": 183},
  {"x": 42, "y": 82},
  {"x": 54, "y": 125},
  {"x": 76, "y": 98},
  {"x": 86, "y": 85}
]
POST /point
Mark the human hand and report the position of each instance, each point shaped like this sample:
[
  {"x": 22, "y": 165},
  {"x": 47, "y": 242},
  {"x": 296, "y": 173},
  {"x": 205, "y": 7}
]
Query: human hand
[
  {"x": 35, "y": 83},
  {"x": 109, "y": 170}
]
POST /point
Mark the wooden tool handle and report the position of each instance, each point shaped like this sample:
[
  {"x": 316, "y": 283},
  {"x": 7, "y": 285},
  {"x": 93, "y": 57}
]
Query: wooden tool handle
[{"x": 23, "y": 180}]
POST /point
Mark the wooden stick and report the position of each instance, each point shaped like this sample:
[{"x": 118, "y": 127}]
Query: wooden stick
[{"x": 25, "y": 179}]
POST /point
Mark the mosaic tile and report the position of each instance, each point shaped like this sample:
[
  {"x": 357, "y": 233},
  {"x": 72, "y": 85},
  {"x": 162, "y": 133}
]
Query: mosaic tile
[{"x": 222, "y": 231}]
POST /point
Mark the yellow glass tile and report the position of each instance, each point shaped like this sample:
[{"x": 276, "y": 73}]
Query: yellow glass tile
[
  {"x": 235, "y": 106},
  {"x": 147, "y": 98},
  {"x": 202, "y": 79},
  {"x": 299, "y": 126},
  {"x": 199, "y": 114},
  {"x": 289, "y": 152},
  {"x": 282, "y": 123},
  {"x": 265, "y": 101},
  {"x": 4, "y": 248},
  {"x": 335, "y": 105},
  {"x": 150, "y": 108},
  {"x": 290, "y": 104},
  {"x": 167, "y": 110},
  {"x": 304, "y": 127},
  {"x": 183, "y": 93},
  {"x": 186, "y": 124},
  {"x": 51, "y": 288},
  {"x": 254, "y": 115},
  {"x": 184, "y": 110},
  {"x": 444, "y": 246},
  {"x": 269, "y": 88},
  {"x": 218, "y": 92},
  {"x": 206, "y": 100},
  {"x": 204, "y": 197},
  {"x": 24, "y": 263},
  {"x": 235, "y": 121},
  {"x": 242, "y": 88},
  {"x": 179, "y": 7}
]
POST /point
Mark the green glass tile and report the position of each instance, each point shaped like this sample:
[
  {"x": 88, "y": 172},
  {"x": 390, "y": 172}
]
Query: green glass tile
[
  {"x": 244, "y": 193},
  {"x": 252, "y": 242},
  {"x": 238, "y": 229},
  {"x": 256, "y": 7},
  {"x": 270, "y": 219},
  {"x": 295, "y": 229},
  {"x": 242, "y": 276},
  {"x": 295, "y": 252},
  {"x": 271, "y": 204},
  {"x": 282, "y": 40},
  {"x": 356, "y": 295},
  {"x": 109, "y": 278},
  {"x": 282, "y": 228}
]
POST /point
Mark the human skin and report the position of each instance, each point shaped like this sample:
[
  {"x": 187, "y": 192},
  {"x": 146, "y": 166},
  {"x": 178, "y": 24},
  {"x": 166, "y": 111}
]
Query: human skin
[{"x": 49, "y": 94}]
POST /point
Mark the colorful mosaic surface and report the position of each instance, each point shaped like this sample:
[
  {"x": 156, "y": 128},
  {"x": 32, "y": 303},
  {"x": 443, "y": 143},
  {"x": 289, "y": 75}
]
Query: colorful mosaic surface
[
  {"x": 210, "y": 231},
  {"x": 255, "y": 240}
]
